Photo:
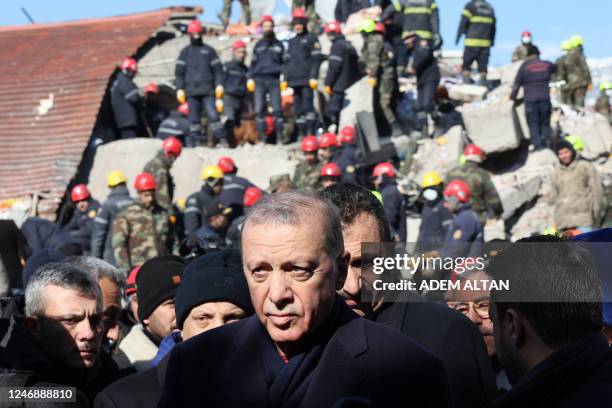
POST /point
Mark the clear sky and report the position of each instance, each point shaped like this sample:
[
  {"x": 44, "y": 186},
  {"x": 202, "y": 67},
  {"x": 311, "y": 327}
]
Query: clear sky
[{"x": 550, "y": 21}]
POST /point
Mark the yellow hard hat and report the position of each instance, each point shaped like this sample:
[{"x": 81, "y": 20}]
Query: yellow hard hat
[
  {"x": 212, "y": 172},
  {"x": 576, "y": 40},
  {"x": 115, "y": 178},
  {"x": 576, "y": 141},
  {"x": 431, "y": 179},
  {"x": 566, "y": 45}
]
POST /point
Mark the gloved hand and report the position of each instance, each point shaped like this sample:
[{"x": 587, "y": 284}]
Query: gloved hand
[
  {"x": 180, "y": 96},
  {"x": 251, "y": 85},
  {"x": 328, "y": 90},
  {"x": 283, "y": 86},
  {"x": 373, "y": 82},
  {"x": 219, "y": 92},
  {"x": 313, "y": 84},
  {"x": 219, "y": 105}
]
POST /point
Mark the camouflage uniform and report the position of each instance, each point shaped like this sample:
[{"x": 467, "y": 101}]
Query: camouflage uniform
[
  {"x": 140, "y": 234},
  {"x": 520, "y": 53},
  {"x": 578, "y": 77},
  {"x": 311, "y": 13},
  {"x": 159, "y": 167},
  {"x": 561, "y": 75},
  {"x": 379, "y": 59},
  {"x": 307, "y": 176},
  {"x": 484, "y": 195},
  {"x": 602, "y": 105},
  {"x": 245, "y": 17}
]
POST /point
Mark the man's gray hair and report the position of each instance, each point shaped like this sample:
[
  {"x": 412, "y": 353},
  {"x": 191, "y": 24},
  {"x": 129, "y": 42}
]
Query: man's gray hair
[
  {"x": 65, "y": 276},
  {"x": 97, "y": 268},
  {"x": 294, "y": 207}
]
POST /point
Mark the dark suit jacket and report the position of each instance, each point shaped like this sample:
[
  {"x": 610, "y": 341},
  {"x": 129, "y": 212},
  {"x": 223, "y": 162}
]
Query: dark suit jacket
[
  {"x": 140, "y": 390},
  {"x": 224, "y": 367}
]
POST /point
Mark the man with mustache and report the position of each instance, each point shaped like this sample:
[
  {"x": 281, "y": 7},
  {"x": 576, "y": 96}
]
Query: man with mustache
[{"x": 304, "y": 346}]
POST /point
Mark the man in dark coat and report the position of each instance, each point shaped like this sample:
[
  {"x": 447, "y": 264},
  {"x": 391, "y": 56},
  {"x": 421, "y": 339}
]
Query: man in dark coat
[
  {"x": 304, "y": 347},
  {"x": 126, "y": 100},
  {"x": 384, "y": 175},
  {"x": 452, "y": 338}
]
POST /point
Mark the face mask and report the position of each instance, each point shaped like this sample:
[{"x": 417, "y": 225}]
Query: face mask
[
  {"x": 430, "y": 194},
  {"x": 526, "y": 40}
]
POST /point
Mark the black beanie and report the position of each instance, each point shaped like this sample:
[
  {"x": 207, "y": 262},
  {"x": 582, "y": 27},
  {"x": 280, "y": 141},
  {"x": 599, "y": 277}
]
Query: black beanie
[
  {"x": 215, "y": 277},
  {"x": 156, "y": 282}
]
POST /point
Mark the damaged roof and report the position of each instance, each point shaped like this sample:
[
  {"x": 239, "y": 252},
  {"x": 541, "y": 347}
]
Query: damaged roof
[{"x": 52, "y": 81}]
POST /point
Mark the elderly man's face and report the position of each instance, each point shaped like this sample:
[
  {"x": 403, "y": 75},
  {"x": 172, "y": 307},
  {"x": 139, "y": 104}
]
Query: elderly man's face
[
  {"x": 70, "y": 328},
  {"x": 292, "y": 279},
  {"x": 111, "y": 301},
  {"x": 210, "y": 315}
]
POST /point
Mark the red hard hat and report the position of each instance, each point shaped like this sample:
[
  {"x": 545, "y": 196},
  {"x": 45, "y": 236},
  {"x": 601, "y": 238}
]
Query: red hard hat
[
  {"x": 384, "y": 168},
  {"x": 458, "y": 189},
  {"x": 380, "y": 27},
  {"x": 526, "y": 34},
  {"x": 331, "y": 170},
  {"x": 130, "y": 287},
  {"x": 172, "y": 146},
  {"x": 328, "y": 140},
  {"x": 226, "y": 164},
  {"x": 265, "y": 18},
  {"x": 238, "y": 44},
  {"x": 195, "y": 27},
  {"x": 145, "y": 182},
  {"x": 347, "y": 135},
  {"x": 183, "y": 108},
  {"x": 473, "y": 153},
  {"x": 333, "y": 27},
  {"x": 79, "y": 193},
  {"x": 152, "y": 88},
  {"x": 129, "y": 64},
  {"x": 298, "y": 12},
  {"x": 251, "y": 196},
  {"x": 310, "y": 144}
]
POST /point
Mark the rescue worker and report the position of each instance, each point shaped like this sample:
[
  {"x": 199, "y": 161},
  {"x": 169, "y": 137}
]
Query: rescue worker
[
  {"x": 330, "y": 175},
  {"x": 478, "y": 24},
  {"x": 520, "y": 52},
  {"x": 80, "y": 226},
  {"x": 119, "y": 198},
  {"x": 280, "y": 183},
  {"x": 602, "y": 104},
  {"x": 342, "y": 72},
  {"x": 425, "y": 67},
  {"x": 534, "y": 77},
  {"x": 234, "y": 233},
  {"x": 560, "y": 77},
  {"x": 213, "y": 184},
  {"x": 214, "y": 225},
  {"x": 301, "y": 72},
  {"x": 160, "y": 166},
  {"x": 465, "y": 235},
  {"x": 579, "y": 80},
  {"x": 235, "y": 86},
  {"x": 348, "y": 155},
  {"x": 245, "y": 17},
  {"x": 142, "y": 230},
  {"x": 306, "y": 176},
  {"x": 421, "y": 17},
  {"x": 310, "y": 13},
  {"x": 153, "y": 114},
  {"x": 379, "y": 58},
  {"x": 484, "y": 198},
  {"x": 234, "y": 187},
  {"x": 344, "y": 8},
  {"x": 264, "y": 78},
  {"x": 176, "y": 125},
  {"x": 435, "y": 217},
  {"x": 384, "y": 175},
  {"x": 577, "y": 192},
  {"x": 328, "y": 147},
  {"x": 125, "y": 99},
  {"x": 199, "y": 81}
]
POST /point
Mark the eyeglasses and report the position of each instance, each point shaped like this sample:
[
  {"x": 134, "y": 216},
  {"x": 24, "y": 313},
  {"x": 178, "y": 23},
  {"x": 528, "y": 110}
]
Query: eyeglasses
[{"x": 481, "y": 308}]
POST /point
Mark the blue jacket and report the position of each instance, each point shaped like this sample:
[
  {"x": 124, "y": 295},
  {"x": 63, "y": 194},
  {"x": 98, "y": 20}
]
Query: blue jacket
[
  {"x": 198, "y": 70},
  {"x": 465, "y": 235},
  {"x": 348, "y": 161},
  {"x": 302, "y": 59},
  {"x": 267, "y": 59},
  {"x": 102, "y": 235},
  {"x": 166, "y": 346},
  {"x": 235, "y": 79},
  {"x": 435, "y": 221},
  {"x": 395, "y": 207},
  {"x": 125, "y": 101}
]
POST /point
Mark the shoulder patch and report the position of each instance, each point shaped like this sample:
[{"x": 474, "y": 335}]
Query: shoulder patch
[
  {"x": 350, "y": 169},
  {"x": 92, "y": 214},
  {"x": 457, "y": 234}
]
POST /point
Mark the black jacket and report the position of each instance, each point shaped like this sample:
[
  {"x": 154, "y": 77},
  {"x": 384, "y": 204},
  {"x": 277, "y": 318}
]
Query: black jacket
[
  {"x": 534, "y": 76},
  {"x": 13, "y": 246},
  {"x": 478, "y": 23},
  {"x": 235, "y": 79},
  {"x": 194, "y": 216},
  {"x": 348, "y": 161},
  {"x": 198, "y": 70},
  {"x": 228, "y": 366},
  {"x": 435, "y": 221},
  {"x": 394, "y": 206},
  {"x": 343, "y": 70},
  {"x": 140, "y": 390},
  {"x": 267, "y": 58},
  {"x": 233, "y": 193},
  {"x": 302, "y": 59},
  {"x": 175, "y": 125},
  {"x": 102, "y": 235},
  {"x": 125, "y": 101},
  {"x": 81, "y": 224},
  {"x": 344, "y": 8},
  {"x": 424, "y": 63},
  {"x": 576, "y": 376},
  {"x": 453, "y": 339},
  {"x": 38, "y": 232},
  {"x": 420, "y": 16}
]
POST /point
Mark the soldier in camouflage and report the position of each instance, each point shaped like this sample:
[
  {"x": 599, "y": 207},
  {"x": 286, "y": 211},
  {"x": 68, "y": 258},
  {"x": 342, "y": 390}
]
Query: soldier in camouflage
[
  {"x": 379, "y": 59},
  {"x": 578, "y": 74},
  {"x": 160, "y": 166},
  {"x": 484, "y": 201},
  {"x": 520, "y": 52},
  {"x": 602, "y": 104},
  {"x": 245, "y": 18},
  {"x": 306, "y": 176},
  {"x": 280, "y": 183},
  {"x": 141, "y": 231},
  {"x": 561, "y": 72}
]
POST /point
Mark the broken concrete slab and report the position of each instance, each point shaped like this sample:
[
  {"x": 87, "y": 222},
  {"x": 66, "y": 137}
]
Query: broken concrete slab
[
  {"x": 358, "y": 99},
  {"x": 467, "y": 93},
  {"x": 533, "y": 221},
  {"x": 593, "y": 128},
  {"x": 439, "y": 155}
]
